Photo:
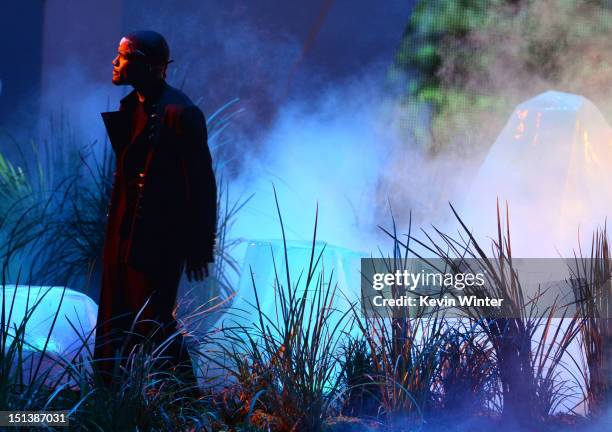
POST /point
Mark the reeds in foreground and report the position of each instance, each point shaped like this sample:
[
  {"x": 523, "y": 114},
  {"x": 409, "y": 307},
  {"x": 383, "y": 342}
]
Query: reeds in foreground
[
  {"x": 526, "y": 350},
  {"x": 297, "y": 369},
  {"x": 593, "y": 293},
  {"x": 144, "y": 394},
  {"x": 284, "y": 368}
]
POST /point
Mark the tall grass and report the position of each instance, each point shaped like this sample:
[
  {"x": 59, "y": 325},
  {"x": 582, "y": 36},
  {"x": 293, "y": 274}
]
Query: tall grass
[
  {"x": 592, "y": 289},
  {"x": 528, "y": 352},
  {"x": 52, "y": 220},
  {"x": 143, "y": 395},
  {"x": 420, "y": 364},
  {"x": 284, "y": 367},
  {"x": 54, "y": 214},
  {"x": 296, "y": 368}
]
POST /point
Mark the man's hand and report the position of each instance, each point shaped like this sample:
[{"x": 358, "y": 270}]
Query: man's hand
[{"x": 196, "y": 270}]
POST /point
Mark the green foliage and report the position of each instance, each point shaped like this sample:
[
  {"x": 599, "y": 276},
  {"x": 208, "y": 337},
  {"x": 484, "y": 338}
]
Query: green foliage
[
  {"x": 433, "y": 27},
  {"x": 13, "y": 182},
  {"x": 429, "y": 25},
  {"x": 472, "y": 61}
]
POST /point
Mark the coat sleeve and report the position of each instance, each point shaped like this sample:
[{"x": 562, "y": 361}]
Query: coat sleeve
[{"x": 201, "y": 187}]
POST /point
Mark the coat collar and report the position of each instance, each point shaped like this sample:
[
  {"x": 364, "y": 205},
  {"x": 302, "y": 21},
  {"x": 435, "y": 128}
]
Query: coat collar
[{"x": 118, "y": 124}]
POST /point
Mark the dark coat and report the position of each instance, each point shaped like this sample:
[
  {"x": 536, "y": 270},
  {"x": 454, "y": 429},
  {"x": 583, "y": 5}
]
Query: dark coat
[
  {"x": 177, "y": 205},
  {"x": 163, "y": 211}
]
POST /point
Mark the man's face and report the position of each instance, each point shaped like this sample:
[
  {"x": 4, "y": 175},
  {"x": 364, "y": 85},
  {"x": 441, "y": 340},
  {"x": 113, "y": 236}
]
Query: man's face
[{"x": 127, "y": 67}]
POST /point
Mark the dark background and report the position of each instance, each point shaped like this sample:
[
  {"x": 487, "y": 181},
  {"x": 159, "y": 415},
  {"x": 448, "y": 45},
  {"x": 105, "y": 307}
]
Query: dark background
[{"x": 56, "y": 53}]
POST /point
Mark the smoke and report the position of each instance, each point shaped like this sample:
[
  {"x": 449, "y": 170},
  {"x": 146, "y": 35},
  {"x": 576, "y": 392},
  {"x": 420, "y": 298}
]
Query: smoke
[
  {"x": 534, "y": 47},
  {"x": 527, "y": 49},
  {"x": 343, "y": 144},
  {"x": 79, "y": 100},
  {"x": 523, "y": 49},
  {"x": 330, "y": 152},
  {"x": 603, "y": 423},
  {"x": 537, "y": 47},
  {"x": 346, "y": 143},
  {"x": 320, "y": 137}
]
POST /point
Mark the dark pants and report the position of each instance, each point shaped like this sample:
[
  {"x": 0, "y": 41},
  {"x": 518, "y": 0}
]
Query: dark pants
[{"x": 137, "y": 308}]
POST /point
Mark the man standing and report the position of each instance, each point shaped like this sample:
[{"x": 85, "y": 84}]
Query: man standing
[{"x": 163, "y": 209}]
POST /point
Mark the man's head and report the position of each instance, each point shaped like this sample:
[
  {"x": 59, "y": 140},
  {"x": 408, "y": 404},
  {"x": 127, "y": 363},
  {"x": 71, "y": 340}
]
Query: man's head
[{"x": 142, "y": 57}]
